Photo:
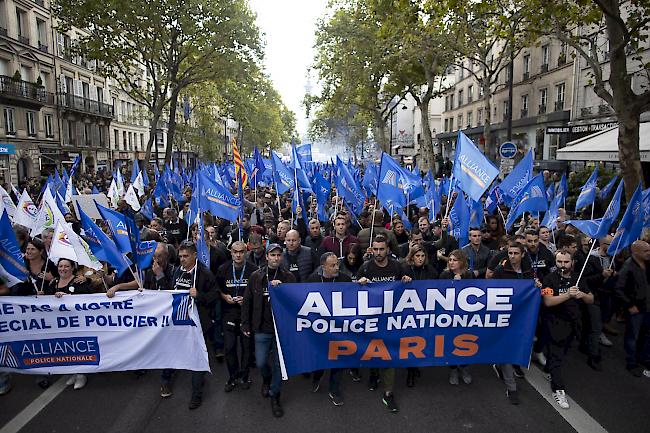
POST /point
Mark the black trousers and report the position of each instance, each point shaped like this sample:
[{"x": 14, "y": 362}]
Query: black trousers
[
  {"x": 561, "y": 334},
  {"x": 237, "y": 350}
]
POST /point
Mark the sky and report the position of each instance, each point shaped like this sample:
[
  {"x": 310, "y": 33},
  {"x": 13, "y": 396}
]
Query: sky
[{"x": 288, "y": 27}]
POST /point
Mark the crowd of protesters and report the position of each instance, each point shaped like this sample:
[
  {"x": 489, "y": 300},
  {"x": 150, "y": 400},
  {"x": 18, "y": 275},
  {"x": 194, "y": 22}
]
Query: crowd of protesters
[{"x": 275, "y": 245}]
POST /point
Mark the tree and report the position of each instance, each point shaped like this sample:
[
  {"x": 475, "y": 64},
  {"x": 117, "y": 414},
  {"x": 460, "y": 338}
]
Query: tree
[
  {"x": 587, "y": 26},
  {"x": 351, "y": 63},
  {"x": 155, "y": 49},
  {"x": 490, "y": 35}
]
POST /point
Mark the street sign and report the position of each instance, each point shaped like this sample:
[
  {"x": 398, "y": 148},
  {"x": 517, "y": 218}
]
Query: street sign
[{"x": 508, "y": 150}]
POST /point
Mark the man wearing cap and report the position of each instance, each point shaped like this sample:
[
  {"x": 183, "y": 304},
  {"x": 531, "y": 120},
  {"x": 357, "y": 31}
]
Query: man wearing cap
[{"x": 257, "y": 318}]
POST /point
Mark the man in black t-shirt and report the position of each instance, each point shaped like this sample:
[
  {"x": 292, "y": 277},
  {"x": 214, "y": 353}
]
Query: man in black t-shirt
[
  {"x": 381, "y": 268},
  {"x": 232, "y": 278},
  {"x": 562, "y": 293}
]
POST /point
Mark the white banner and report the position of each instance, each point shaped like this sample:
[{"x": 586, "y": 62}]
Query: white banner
[{"x": 92, "y": 333}]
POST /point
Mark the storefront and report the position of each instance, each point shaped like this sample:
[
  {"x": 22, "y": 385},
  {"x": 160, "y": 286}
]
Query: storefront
[{"x": 6, "y": 149}]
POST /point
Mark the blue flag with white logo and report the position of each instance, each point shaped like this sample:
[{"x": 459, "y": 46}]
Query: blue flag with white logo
[
  {"x": 389, "y": 187},
  {"x": 588, "y": 191},
  {"x": 562, "y": 189},
  {"x": 631, "y": 224},
  {"x": 147, "y": 209},
  {"x": 517, "y": 179},
  {"x": 607, "y": 188},
  {"x": 12, "y": 263},
  {"x": 282, "y": 176},
  {"x": 348, "y": 188},
  {"x": 532, "y": 198},
  {"x": 472, "y": 170},
  {"x": 216, "y": 199},
  {"x": 612, "y": 212},
  {"x": 202, "y": 248},
  {"x": 102, "y": 245},
  {"x": 459, "y": 219},
  {"x": 588, "y": 227},
  {"x": 553, "y": 213},
  {"x": 322, "y": 188},
  {"x": 550, "y": 192},
  {"x": 119, "y": 229},
  {"x": 135, "y": 170}
]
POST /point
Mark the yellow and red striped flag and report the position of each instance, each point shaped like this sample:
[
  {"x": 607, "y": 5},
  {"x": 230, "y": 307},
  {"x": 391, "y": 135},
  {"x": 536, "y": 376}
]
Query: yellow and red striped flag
[{"x": 240, "y": 171}]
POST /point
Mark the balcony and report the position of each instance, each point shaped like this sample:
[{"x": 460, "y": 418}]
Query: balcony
[
  {"x": 585, "y": 111},
  {"x": 23, "y": 39},
  {"x": 42, "y": 47},
  {"x": 605, "y": 109},
  {"x": 23, "y": 93},
  {"x": 524, "y": 113},
  {"x": 85, "y": 105},
  {"x": 559, "y": 105},
  {"x": 525, "y": 76},
  {"x": 544, "y": 68},
  {"x": 41, "y": 3},
  {"x": 542, "y": 109}
]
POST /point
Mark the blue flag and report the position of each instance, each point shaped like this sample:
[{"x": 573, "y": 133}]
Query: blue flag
[
  {"x": 553, "y": 213},
  {"x": 348, "y": 188},
  {"x": 95, "y": 190},
  {"x": 517, "y": 179},
  {"x": 607, "y": 188},
  {"x": 202, "y": 248},
  {"x": 389, "y": 186},
  {"x": 562, "y": 189},
  {"x": 12, "y": 264},
  {"x": 135, "y": 170},
  {"x": 646, "y": 208},
  {"x": 459, "y": 219},
  {"x": 476, "y": 214},
  {"x": 75, "y": 166},
  {"x": 588, "y": 191},
  {"x": 144, "y": 252},
  {"x": 588, "y": 227},
  {"x": 117, "y": 224},
  {"x": 550, "y": 192},
  {"x": 282, "y": 177},
  {"x": 492, "y": 199},
  {"x": 631, "y": 224},
  {"x": 472, "y": 170},
  {"x": 612, "y": 212},
  {"x": 147, "y": 209},
  {"x": 532, "y": 198},
  {"x": 370, "y": 175},
  {"x": 102, "y": 245},
  {"x": 322, "y": 188},
  {"x": 216, "y": 199}
]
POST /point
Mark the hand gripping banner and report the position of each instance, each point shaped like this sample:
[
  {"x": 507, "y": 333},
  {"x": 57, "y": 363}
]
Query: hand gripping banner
[
  {"x": 92, "y": 333},
  {"x": 422, "y": 323}
]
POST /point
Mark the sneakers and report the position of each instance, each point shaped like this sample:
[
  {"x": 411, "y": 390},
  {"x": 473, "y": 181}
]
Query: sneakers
[
  {"x": 540, "y": 358},
  {"x": 80, "y": 381},
  {"x": 498, "y": 371},
  {"x": 354, "y": 373},
  {"x": 6, "y": 387},
  {"x": 373, "y": 382},
  {"x": 229, "y": 386},
  {"x": 276, "y": 407},
  {"x": 70, "y": 380},
  {"x": 336, "y": 399},
  {"x": 518, "y": 372},
  {"x": 165, "y": 391},
  {"x": 464, "y": 374},
  {"x": 194, "y": 403},
  {"x": 44, "y": 383},
  {"x": 646, "y": 373},
  {"x": 560, "y": 399},
  {"x": 604, "y": 341},
  {"x": 453, "y": 377},
  {"x": 635, "y": 371},
  {"x": 513, "y": 397},
  {"x": 315, "y": 386},
  {"x": 389, "y": 401}
]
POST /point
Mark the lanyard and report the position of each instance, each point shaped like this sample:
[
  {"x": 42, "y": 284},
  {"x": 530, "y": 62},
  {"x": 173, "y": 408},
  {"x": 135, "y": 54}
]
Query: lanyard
[{"x": 237, "y": 281}]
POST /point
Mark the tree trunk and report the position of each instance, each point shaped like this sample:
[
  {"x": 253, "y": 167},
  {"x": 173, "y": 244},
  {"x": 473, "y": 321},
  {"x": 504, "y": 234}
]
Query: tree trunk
[
  {"x": 171, "y": 127},
  {"x": 427, "y": 139},
  {"x": 380, "y": 132},
  {"x": 488, "y": 147},
  {"x": 628, "y": 150},
  {"x": 153, "y": 128}
]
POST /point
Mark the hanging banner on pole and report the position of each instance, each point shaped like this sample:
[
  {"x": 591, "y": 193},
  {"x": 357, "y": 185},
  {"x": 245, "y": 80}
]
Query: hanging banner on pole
[
  {"x": 423, "y": 323},
  {"x": 92, "y": 333}
]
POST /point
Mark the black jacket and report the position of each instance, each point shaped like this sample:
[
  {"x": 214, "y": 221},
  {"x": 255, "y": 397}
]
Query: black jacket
[
  {"x": 151, "y": 281},
  {"x": 478, "y": 261},
  {"x": 304, "y": 258},
  {"x": 256, "y": 298},
  {"x": 505, "y": 271},
  {"x": 632, "y": 287}
]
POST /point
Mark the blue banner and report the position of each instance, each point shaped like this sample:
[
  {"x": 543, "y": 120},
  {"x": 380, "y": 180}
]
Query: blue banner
[{"x": 394, "y": 324}]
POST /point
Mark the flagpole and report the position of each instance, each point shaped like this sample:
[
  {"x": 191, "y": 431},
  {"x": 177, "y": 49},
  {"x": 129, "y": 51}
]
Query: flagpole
[
  {"x": 584, "y": 265},
  {"x": 616, "y": 250},
  {"x": 451, "y": 181},
  {"x": 372, "y": 223},
  {"x": 592, "y": 209},
  {"x": 46, "y": 262}
]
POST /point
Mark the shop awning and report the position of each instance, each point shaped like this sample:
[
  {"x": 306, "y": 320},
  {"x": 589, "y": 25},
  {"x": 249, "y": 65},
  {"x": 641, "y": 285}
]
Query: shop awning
[{"x": 603, "y": 146}]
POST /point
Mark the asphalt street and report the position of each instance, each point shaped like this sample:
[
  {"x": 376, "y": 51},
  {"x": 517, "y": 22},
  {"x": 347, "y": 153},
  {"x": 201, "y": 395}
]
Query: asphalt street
[{"x": 612, "y": 400}]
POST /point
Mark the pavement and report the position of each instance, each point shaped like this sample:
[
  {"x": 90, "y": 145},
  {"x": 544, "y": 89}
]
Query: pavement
[{"x": 609, "y": 401}]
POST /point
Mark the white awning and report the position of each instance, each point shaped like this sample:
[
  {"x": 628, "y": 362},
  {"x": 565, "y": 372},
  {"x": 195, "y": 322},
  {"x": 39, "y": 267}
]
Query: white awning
[{"x": 603, "y": 146}]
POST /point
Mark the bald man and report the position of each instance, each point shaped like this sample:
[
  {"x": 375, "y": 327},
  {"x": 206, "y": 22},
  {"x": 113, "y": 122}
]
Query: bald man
[
  {"x": 633, "y": 291},
  {"x": 298, "y": 259}
]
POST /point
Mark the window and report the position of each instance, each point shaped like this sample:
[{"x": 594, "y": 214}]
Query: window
[
  {"x": 20, "y": 23},
  {"x": 524, "y": 106},
  {"x": 479, "y": 116},
  {"x": 72, "y": 126},
  {"x": 49, "y": 125},
  {"x": 446, "y": 125},
  {"x": 470, "y": 93},
  {"x": 451, "y": 124},
  {"x": 124, "y": 140},
  {"x": 10, "y": 125},
  {"x": 446, "y": 104},
  {"x": 462, "y": 70},
  {"x": 45, "y": 78},
  {"x": 526, "y": 66},
  {"x": 505, "y": 109},
  {"x": 141, "y": 141},
  {"x": 460, "y": 121},
  {"x": 451, "y": 101},
  {"x": 124, "y": 112},
  {"x": 130, "y": 141},
  {"x": 100, "y": 95},
  {"x": 543, "y": 99},
  {"x": 460, "y": 97},
  {"x": 31, "y": 124},
  {"x": 481, "y": 93},
  {"x": 545, "y": 55},
  {"x": 469, "y": 119},
  {"x": 64, "y": 46},
  {"x": 559, "y": 97},
  {"x": 116, "y": 135},
  {"x": 101, "y": 136}
]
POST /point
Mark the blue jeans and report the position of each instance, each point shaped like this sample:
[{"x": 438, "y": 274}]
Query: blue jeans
[
  {"x": 633, "y": 327},
  {"x": 197, "y": 381},
  {"x": 334, "y": 383},
  {"x": 5, "y": 380},
  {"x": 266, "y": 355}
]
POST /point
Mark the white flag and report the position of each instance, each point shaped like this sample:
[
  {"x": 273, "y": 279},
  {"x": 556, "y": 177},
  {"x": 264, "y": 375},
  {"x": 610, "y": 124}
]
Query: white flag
[
  {"x": 7, "y": 203},
  {"x": 15, "y": 190},
  {"x": 138, "y": 184},
  {"x": 132, "y": 198},
  {"x": 113, "y": 194},
  {"x": 120, "y": 183},
  {"x": 68, "y": 192},
  {"x": 66, "y": 244},
  {"x": 26, "y": 211},
  {"x": 48, "y": 214}
]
